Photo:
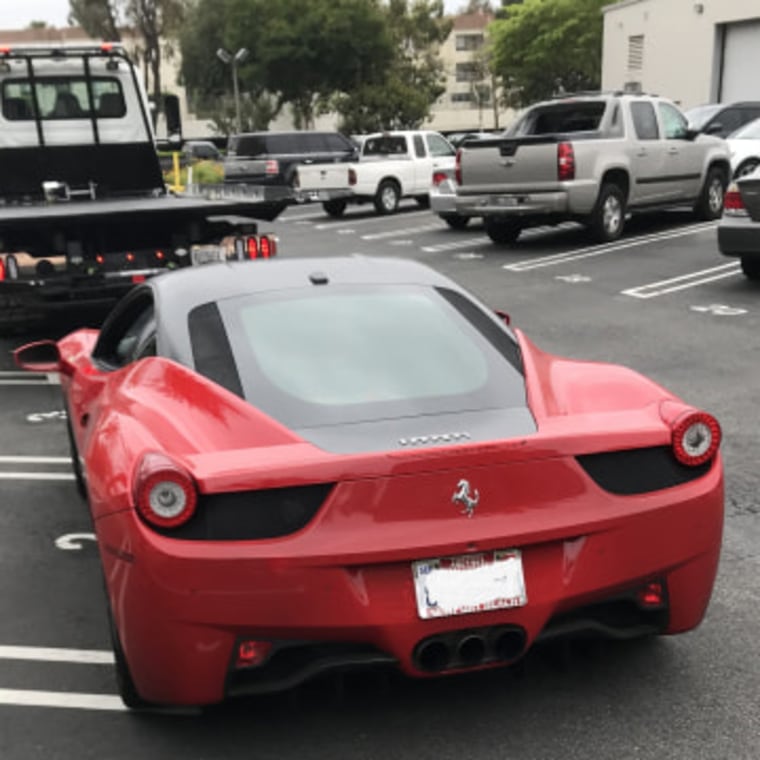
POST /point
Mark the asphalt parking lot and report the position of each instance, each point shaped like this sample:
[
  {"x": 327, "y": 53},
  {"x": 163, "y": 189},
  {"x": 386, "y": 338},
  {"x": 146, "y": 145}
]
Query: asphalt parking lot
[{"x": 661, "y": 300}]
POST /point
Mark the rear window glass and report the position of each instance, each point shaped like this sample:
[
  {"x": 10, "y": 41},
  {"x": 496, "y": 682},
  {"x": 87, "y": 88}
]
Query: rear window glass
[
  {"x": 363, "y": 354},
  {"x": 62, "y": 98},
  {"x": 295, "y": 143},
  {"x": 385, "y": 145},
  {"x": 562, "y": 118}
]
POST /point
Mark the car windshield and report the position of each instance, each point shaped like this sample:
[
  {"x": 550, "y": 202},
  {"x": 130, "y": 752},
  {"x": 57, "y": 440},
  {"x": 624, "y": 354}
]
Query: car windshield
[
  {"x": 700, "y": 115},
  {"x": 749, "y": 131},
  {"x": 363, "y": 354}
]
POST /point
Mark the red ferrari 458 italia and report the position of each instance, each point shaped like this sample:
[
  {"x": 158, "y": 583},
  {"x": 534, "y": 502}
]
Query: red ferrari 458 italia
[{"x": 310, "y": 464}]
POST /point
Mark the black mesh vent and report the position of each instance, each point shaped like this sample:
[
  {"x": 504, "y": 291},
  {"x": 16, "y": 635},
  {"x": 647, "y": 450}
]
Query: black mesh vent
[
  {"x": 639, "y": 470},
  {"x": 250, "y": 515}
]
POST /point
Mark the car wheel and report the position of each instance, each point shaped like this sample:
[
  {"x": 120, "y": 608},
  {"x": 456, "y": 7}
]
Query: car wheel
[
  {"x": 423, "y": 201},
  {"x": 334, "y": 208},
  {"x": 710, "y": 203},
  {"x": 746, "y": 167},
  {"x": 124, "y": 683},
  {"x": 751, "y": 267},
  {"x": 608, "y": 217},
  {"x": 387, "y": 197},
  {"x": 502, "y": 231},
  {"x": 456, "y": 221}
]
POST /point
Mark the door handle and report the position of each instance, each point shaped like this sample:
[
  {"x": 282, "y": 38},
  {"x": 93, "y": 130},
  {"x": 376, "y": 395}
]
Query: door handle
[
  {"x": 673, "y": 151},
  {"x": 642, "y": 152}
]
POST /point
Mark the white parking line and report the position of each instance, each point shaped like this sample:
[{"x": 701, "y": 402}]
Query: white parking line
[
  {"x": 684, "y": 281},
  {"x": 70, "y": 700},
  {"x": 36, "y": 476},
  {"x": 350, "y": 223},
  {"x": 401, "y": 232},
  {"x": 6, "y": 459},
  {"x": 57, "y": 654},
  {"x": 599, "y": 250},
  {"x": 453, "y": 246}
]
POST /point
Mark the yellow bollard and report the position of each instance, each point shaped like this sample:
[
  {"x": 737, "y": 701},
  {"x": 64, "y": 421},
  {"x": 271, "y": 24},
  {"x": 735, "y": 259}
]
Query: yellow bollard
[{"x": 177, "y": 186}]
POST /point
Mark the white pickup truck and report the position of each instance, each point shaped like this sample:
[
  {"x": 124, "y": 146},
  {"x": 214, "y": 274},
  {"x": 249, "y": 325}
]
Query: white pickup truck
[{"x": 395, "y": 165}]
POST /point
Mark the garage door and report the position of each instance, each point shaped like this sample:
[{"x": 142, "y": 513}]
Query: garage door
[{"x": 741, "y": 62}]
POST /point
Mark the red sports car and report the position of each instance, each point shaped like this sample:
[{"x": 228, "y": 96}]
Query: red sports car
[{"x": 300, "y": 465}]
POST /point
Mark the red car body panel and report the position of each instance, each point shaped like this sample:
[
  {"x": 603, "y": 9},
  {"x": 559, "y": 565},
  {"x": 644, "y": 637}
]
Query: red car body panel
[{"x": 180, "y": 606}]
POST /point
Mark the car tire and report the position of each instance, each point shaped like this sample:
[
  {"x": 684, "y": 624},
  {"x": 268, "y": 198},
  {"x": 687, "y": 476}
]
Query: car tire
[
  {"x": 710, "y": 203},
  {"x": 335, "y": 208},
  {"x": 387, "y": 197},
  {"x": 746, "y": 167},
  {"x": 751, "y": 267},
  {"x": 502, "y": 231},
  {"x": 607, "y": 220},
  {"x": 456, "y": 221},
  {"x": 124, "y": 683}
]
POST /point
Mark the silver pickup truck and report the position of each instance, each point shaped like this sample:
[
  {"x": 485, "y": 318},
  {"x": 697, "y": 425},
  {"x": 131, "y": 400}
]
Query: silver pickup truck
[{"x": 592, "y": 159}]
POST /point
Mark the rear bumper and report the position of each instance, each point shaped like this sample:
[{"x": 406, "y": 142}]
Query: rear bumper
[
  {"x": 181, "y": 606},
  {"x": 322, "y": 195},
  {"x": 443, "y": 198},
  {"x": 571, "y": 199},
  {"x": 739, "y": 236}
]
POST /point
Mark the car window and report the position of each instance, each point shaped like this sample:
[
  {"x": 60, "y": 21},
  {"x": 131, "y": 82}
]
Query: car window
[
  {"x": 439, "y": 146},
  {"x": 368, "y": 353},
  {"x": 674, "y": 124},
  {"x": 574, "y": 116},
  {"x": 419, "y": 147},
  {"x": 749, "y": 131},
  {"x": 644, "y": 120},
  {"x": 384, "y": 145},
  {"x": 729, "y": 120},
  {"x": 129, "y": 332},
  {"x": 336, "y": 143}
]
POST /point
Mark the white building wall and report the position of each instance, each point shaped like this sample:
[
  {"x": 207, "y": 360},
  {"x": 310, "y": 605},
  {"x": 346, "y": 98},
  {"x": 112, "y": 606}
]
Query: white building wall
[{"x": 681, "y": 47}]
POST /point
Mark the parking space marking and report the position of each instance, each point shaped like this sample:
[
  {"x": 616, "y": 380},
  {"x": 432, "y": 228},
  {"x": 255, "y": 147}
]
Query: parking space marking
[
  {"x": 36, "y": 476},
  {"x": 540, "y": 262},
  {"x": 70, "y": 700},
  {"x": 684, "y": 281},
  {"x": 8, "y": 459},
  {"x": 355, "y": 222},
  {"x": 455, "y": 245},
  {"x": 28, "y": 378},
  {"x": 401, "y": 232},
  {"x": 57, "y": 654}
]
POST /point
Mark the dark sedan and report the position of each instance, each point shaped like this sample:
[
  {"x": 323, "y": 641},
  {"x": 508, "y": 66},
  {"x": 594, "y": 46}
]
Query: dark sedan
[{"x": 739, "y": 229}]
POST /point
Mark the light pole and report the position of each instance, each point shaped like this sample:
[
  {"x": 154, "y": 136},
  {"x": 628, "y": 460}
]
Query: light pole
[{"x": 234, "y": 60}]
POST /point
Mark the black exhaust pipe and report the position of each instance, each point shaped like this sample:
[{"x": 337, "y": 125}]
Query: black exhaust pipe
[
  {"x": 509, "y": 644},
  {"x": 433, "y": 655},
  {"x": 471, "y": 650}
]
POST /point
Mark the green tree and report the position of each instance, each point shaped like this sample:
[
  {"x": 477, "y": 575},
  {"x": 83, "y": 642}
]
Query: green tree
[
  {"x": 413, "y": 80},
  {"x": 99, "y": 18},
  {"x": 544, "y": 46}
]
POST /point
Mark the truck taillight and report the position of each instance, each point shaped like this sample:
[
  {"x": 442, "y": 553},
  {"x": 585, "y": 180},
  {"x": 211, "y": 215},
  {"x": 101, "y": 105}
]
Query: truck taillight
[
  {"x": 272, "y": 167},
  {"x": 264, "y": 247},
  {"x": 439, "y": 177},
  {"x": 352, "y": 176},
  {"x": 733, "y": 204},
  {"x": 252, "y": 245},
  {"x": 458, "y": 167},
  {"x": 2, "y": 270},
  {"x": 565, "y": 162}
]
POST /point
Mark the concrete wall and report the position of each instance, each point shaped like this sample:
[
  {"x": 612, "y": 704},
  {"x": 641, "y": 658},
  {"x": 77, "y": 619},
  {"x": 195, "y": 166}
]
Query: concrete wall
[{"x": 682, "y": 43}]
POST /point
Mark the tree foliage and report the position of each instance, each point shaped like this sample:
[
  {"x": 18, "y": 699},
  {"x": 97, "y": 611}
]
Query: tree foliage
[
  {"x": 99, "y": 18},
  {"x": 541, "y": 47}
]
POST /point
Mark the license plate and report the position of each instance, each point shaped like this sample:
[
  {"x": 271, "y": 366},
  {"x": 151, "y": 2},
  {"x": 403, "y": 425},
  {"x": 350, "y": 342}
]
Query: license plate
[
  {"x": 504, "y": 200},
  {"x": 207, "y": 255},
  {"x": 470, "y": 583}
]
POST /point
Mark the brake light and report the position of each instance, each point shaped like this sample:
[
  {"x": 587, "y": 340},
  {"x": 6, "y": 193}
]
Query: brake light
[
  {"x": 439, "y": 177},
  {"x": 251, "y": 653},
  {"x": 695, "y": 438},
  {"x": 352, "y": 176},
  {"x": 160, "y": 255},
  {"x": 565, "y": 161},
  {"x": 458, "y": 167},
  {"x": 130, "y": 257},
  {"x": 100, "y": 259},
  {"x": 252, "y": 246},
  {"x": 267, "y": 246},
  {"x": 733, "y": 204},
  {"x": 272, "y": 166},
  {"x": 651, "y": 595},
  {"x": 2, "y": 270},
  {"x": 106, "y": 47},
  {"x": 165, "y": 494}
]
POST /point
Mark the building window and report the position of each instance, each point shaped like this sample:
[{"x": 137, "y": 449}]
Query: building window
[
  {"x": 636, "y": 53},
  {"x": 469, "y": 41},
  {"x": 467, "y": 72},
  {"x": 461, "y": 97}
]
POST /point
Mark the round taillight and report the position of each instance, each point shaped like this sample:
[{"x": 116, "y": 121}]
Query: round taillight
[
  {"x": 165, "y": 493},
  {"x": 696, "y": 438}
]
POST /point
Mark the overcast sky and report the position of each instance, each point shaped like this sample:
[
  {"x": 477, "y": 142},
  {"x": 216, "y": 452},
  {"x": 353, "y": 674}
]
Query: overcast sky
[{"x": 17, "y": 14}]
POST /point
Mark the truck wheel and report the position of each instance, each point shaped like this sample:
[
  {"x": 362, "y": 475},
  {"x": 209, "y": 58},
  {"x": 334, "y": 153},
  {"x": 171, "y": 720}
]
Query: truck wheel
[
  {"x": 710, "y": 203},
  {"x": 502, "y": 231},
  {"x": 334, "y": 208},
  {"x": 387, "y": 197},
  {"x": 608, "y": 217},
  {"x": 456, "y": 221},
  {"x": 751, "y": 267}
]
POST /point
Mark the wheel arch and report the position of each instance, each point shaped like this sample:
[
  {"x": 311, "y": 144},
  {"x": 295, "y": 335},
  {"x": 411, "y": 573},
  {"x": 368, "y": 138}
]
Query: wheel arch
[{"x": 617, "y": 176}]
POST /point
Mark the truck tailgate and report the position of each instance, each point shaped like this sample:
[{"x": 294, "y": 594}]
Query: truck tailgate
[
  {"x": 509, "y": 164},
  {"x": 316, "y": 177}
]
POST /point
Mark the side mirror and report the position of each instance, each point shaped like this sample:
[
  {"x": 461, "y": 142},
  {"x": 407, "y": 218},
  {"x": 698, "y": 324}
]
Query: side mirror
[
  {"x": 716, "y": 128},
  {"x": 504, "y": 317},
  {"x": 41, "y": 356}
]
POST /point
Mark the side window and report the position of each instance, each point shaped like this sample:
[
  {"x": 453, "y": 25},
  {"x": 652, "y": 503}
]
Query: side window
[
  {"x": 339, "y": 144},
  {"x": 730, "y": 120},
  {"x": 129, "y": 333},
  {"x": 644, "y": 120},
  {"x": 439, "y": 146},
  {"x": 674, "y": 123},
  {"x": 419, "y": 147}
]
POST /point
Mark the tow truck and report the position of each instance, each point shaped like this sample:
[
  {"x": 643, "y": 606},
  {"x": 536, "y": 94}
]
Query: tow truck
[{"x": 84, "y": 209}]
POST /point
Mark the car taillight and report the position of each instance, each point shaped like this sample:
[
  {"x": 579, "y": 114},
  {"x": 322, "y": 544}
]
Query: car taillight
[
  {"x": 565, "y": 161},
  {"x": 458, "y": 167},
  {"x": 164, "y": 492},
  {"x": 439, "y": 177},
  {"x": 352, "y": 176},
  {"x": 252, "y": 246},
  {"x": 695, "y": 438},
  {"x": 272, "y": 167},
  {"x": 251, "y": 653},
  {"x": 733, "y": 204},
  {"x": 267, "y": 246},
  {"x": 2, "y": 270}
]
